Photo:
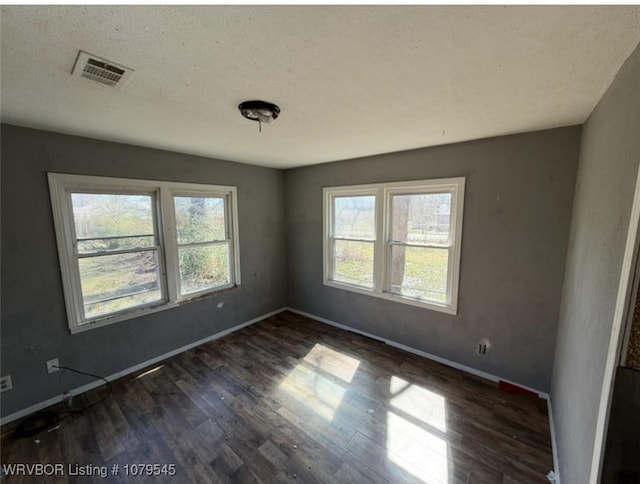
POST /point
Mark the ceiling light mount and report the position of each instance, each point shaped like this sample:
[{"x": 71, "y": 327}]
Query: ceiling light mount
[{"x": 260, "y": 111}]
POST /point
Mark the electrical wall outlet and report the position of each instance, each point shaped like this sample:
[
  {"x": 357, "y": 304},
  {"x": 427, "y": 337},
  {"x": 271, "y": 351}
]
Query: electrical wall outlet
[
  {"x": 52, "y": 365},
  {"x": 483, "y": 346},
  {"x": 5, "y": 383}
]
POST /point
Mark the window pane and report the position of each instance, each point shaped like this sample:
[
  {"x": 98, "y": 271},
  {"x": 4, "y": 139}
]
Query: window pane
[
  {"x": 112, "y": 283},
  {"x": 108, "y": 222},
  {"x": 203, "y": 267},
  {"x": 421, "y": 218},
  {"x": 353, "y": 262},
  {"x": 419, "y": 272},
  {"x": 199, "y": 219},
  {"x": 354, "y": 217}
]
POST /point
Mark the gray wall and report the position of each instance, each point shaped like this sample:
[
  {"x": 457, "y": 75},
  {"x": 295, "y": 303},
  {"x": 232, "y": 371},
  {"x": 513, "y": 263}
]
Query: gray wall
[
  {"x": 609, "y": 156},
  {"x": 518, "y": 202},
  {"x": 34, "y": 327}
]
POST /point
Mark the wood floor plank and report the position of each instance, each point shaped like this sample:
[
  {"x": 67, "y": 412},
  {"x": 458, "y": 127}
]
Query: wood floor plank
[{"x": 292, "y": 400}]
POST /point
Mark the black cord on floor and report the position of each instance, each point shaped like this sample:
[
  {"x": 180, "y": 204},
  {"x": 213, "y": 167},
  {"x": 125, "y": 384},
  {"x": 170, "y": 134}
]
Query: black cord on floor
[
  {"x": 48, "y": 419},
  {"x": 91, "y": 375}
]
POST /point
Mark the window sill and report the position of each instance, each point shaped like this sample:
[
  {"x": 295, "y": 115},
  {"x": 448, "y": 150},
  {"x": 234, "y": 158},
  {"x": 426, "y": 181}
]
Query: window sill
[{"x": 395, "y": 298}]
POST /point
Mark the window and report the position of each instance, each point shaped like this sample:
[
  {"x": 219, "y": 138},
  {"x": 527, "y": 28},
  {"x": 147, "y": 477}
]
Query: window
[
  {"x": 131, "y": 247},
  {"x": 398, "y": 241}
]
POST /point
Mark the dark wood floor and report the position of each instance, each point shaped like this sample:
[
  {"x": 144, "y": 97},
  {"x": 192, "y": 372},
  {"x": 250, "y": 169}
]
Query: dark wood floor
[{"x": 293, "y": 400}]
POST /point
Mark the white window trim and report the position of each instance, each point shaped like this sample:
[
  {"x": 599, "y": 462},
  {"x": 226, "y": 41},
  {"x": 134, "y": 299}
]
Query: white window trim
[
  {"x": 60, "y": 188},
  {"x": 383, "y": 193}
]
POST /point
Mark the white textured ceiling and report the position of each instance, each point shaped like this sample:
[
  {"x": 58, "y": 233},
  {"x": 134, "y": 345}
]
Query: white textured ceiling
[{"x": 350, "y": 80}]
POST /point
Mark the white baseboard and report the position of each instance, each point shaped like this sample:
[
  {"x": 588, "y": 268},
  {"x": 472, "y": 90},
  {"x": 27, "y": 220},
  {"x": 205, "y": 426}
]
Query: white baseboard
[
  {"x": 458, "y": 366},
  {"x": 554, "y": 446},
  {"x": 409, "y": 349},
  {"x": 85, "y": 388}
]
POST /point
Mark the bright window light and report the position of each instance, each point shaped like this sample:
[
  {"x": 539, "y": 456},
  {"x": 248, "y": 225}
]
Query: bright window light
[
  {"x": 319, "y": 393},
  {"x": 416, "y": 450},
  {"x": 333, "y": 362},
  {"x": 422, "y": 404},
  {"x": 149, "y": 372},
  {"x": 319, "y": 380},
  {"x": 399, "y": 241},
  {"x": 130, "y": 247}
]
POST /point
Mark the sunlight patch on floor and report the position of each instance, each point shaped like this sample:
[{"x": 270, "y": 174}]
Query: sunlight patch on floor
[
  {"x": 415, "y": 429},
  {"x": 333, "y": 362},
  {"x": 423, "y": 404},
  {"x": 149, "y": 372},
  {"x": 416, "y": 450},
  {"x": 318, "y": 381}
]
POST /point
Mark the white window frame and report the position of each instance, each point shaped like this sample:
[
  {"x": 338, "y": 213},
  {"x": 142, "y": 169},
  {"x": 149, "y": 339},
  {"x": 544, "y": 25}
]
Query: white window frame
[
  {"x": 383, "y": 243},
  {"x": 61, "y": 186}
]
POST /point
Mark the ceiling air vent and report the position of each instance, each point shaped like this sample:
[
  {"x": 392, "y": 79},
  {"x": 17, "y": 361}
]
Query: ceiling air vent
[{"x": 100, "y": 70}]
